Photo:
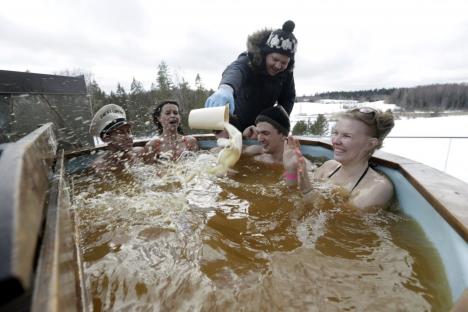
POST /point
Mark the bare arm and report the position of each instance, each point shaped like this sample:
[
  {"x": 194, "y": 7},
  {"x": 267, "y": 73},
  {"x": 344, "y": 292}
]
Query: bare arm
[
  {"x": 252, "y": 150},
  {"x": 378, "y": 192},
  {"x": 191, "y": 143}
]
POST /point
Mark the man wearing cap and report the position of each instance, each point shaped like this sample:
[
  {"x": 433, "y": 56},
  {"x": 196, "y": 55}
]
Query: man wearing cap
[
  {"x": 260, "y": 77},
  {"x": 111, "y": 125},
  {"x": 272, "y": 129}
]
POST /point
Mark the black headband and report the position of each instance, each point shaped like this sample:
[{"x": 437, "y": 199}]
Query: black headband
[{"x": 114, "y": 124}]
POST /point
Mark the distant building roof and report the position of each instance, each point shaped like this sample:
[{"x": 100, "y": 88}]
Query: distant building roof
[{"x": 12, "y": 82}]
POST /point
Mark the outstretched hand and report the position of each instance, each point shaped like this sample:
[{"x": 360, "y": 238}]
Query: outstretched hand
[{"x": 221, "y": 97}]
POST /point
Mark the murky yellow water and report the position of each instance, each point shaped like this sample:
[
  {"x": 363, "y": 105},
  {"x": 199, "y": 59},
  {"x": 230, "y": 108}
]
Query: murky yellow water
[{"x": 181, "y": 240}]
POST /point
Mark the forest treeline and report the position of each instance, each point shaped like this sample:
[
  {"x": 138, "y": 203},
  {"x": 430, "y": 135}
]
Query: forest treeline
[
  {"x": 139, "y": 103},
  {"x": 436, "y": 97},
  {"x": 360, "y": 95}
]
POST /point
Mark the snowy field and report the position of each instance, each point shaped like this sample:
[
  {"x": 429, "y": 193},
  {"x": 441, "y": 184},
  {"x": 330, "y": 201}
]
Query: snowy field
[{"x": 420, "y": 139}]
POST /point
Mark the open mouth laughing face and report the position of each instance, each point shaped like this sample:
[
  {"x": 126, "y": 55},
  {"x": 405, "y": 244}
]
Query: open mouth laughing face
[{"x": 170, "y": 118}]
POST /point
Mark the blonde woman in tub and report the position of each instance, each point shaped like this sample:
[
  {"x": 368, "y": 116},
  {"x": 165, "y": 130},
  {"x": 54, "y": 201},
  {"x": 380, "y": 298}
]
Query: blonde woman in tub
[{"x": 357, "y": 134}]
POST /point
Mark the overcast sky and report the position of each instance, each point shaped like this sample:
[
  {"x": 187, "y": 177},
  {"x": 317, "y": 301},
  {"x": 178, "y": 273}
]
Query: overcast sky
[{"x": 343, "y": 45}]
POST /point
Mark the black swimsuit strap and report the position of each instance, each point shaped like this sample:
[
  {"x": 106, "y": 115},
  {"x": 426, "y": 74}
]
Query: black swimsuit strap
[
  {"x": 334, "y": 171},
  {"x": 360, "y": 178}
]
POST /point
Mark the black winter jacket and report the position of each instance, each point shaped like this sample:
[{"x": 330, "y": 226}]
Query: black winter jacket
[{"x": 254, "y": 89}]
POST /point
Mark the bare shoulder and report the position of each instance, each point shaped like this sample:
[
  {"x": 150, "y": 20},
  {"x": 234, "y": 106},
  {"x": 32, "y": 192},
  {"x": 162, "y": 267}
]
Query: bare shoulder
[
  {"x": 252, "y": 150},
  {"x": 377, "y": 190},
  {"x": 326, "y": 168},
  {"x": 191, "y": 142},
  {"x": 153, "y": 142},
  {"x": 151, "y": 150}
]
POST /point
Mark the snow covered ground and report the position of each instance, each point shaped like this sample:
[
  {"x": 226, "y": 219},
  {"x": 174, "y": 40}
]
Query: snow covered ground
[{"x": 445, "y": 154}]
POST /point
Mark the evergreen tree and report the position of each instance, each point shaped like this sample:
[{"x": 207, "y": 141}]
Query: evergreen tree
[
  {"x": 319, "y": 127},
  {"x": 136, "y": 87},
  {"x": 97, "y": 97},
  {"x": 120, "y": 97},
  {"x": 201, "y": 94},
  {"x": 184, "y": 95},
  {"x": 112, "y": 98},
  {"x": 120, "y": 92},
  {"x": 142, "y": 103},
  {"x": 300, "y": 128},
  {"x": 198, "y": 83},
  {"x": 136, "y": 106},
  {"x": 164, "y": 84}
]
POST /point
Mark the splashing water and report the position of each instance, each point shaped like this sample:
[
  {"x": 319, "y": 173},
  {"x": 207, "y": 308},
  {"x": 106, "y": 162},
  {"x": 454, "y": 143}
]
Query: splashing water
[{"x": 175, "y": 237}]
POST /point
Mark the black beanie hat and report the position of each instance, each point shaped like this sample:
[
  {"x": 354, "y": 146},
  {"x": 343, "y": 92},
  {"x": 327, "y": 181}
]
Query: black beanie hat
[
  {"x": 282, "y": 40},
  {"x": 277, "y": 117}
]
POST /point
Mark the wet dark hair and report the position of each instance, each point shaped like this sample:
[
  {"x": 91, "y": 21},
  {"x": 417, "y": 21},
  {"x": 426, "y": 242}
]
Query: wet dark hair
[
  {"x": 157, "y": 113},
  {"x": 380, "y": 123}
]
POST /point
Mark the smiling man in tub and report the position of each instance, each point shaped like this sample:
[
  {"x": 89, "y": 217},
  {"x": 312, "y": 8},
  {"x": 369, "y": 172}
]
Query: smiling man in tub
[{"x": 271, "y": 130}]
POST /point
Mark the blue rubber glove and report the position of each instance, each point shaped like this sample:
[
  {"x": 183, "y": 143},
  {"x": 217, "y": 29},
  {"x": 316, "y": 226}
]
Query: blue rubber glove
[{"x": 223, "y": 96}]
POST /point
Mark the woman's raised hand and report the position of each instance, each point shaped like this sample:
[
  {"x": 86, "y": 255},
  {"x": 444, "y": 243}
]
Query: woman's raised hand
[{"x": 291, "y": 155}]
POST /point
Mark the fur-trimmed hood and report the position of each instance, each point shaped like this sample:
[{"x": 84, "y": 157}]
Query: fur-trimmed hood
[{"x": 255, "y": 50}]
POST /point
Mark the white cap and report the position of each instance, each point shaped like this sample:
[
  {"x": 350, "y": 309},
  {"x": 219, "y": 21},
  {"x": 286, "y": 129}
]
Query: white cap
[{"x": 109, "y": 117}]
